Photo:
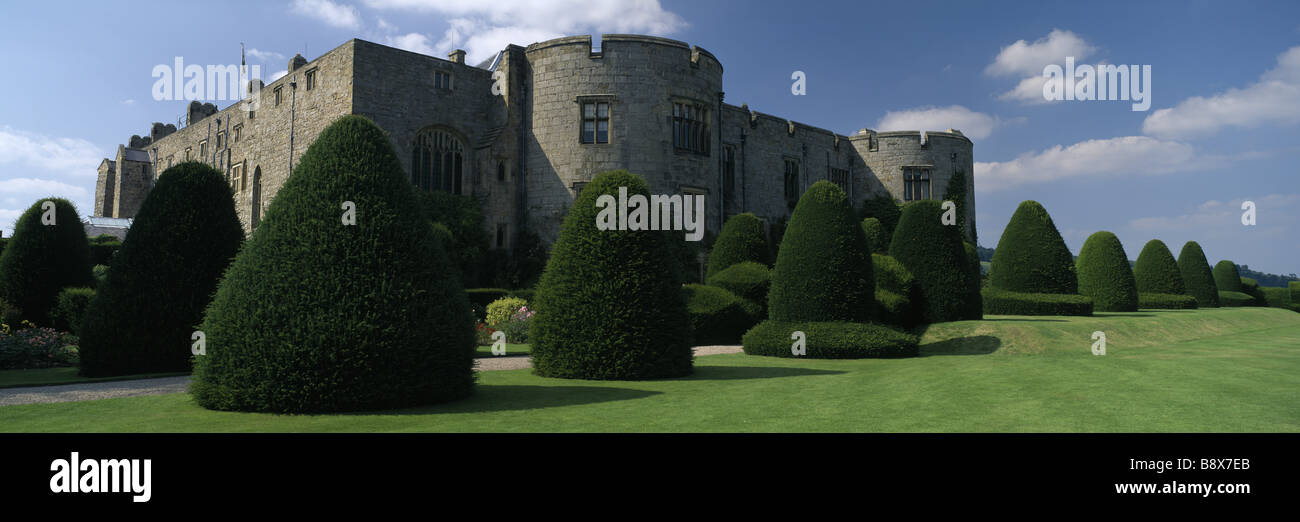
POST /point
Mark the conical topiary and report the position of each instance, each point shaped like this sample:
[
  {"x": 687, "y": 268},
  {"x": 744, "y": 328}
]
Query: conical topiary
[
  {"x": 610, "y": 304},
  {"x": 1105, "y": 274},
  {"x": 343, "y": 299},
  {"x": 934, "y": 254},
  {"x": 1031, "y": 257},
  {"x": 1156, "y": 272},
  {"x": 823, "y": 271},
  {"x": 1226, "y": 277},
  {"x": 877, "y": 237},
  {"x": 1198, "y": 279},
  {"x": 183, "y": 238},
  {"x": 47, "y": 253},
  {"x": 741, "y": 240}
]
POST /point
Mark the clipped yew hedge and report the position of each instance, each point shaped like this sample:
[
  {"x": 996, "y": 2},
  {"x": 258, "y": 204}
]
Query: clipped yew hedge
[
  {"x": 823, "y": 269},
  {"x": 1251, "y": 288},
  {"x": 1227, "y": 278},
  {"x": 748, "y": 280},
  {"x": 1276, "y": 297},
  {"x": 1005, "y": 302},
  {"x": 974, "y": 297},
  {"x": 1156, "y": 271},
  {"x": 896, "y": 292},
  {"x": 609, "y": 304},
  {"x": 934, "y": 254},
  {"x": 740, "y": 240},
  {"x": 1031, "y": 256},
  {"x": 1236, "y": 299},
  {"x": 1198, "y": 279},
  {"x": 1105, "y": 274},
  {"x": 315, "y": 315},
  {"x": 41, "y": 260},
  {"x": 830, "y": 340},
  {"x": 1166, "y": 301},
  {"x": 719, "y": 316},
  {"x": 877, "y": 237}
]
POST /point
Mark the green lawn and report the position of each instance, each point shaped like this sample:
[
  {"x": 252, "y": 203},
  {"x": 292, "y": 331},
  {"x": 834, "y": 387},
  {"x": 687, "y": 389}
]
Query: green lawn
[
  {"x": 511, "y": 349},
  {"x": 50, "y": 376},
  {"x": 1217, "y": 370}
]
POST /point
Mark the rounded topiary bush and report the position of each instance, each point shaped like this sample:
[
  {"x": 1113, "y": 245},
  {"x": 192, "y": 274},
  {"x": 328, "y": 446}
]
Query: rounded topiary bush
[
  {"x": 830, "y": 340},
  {"x": 741, "y": 240},
  {"x": 315, "y": 315},
  {"x": 41, "y": 259},
  {"x": 719, "y": 316},
  {"x": 896, "y": 292},
  {"x": 609, "y": 304},
  {"x": 1156, "y": 272},
  {"x": 877, "y": 237},
  {"x": 823, "y": 270},
  {"x": 748, "y": 280},
  {"x": 934, "y": 254},
  {"x": 161, "y": 281},
  {"x": 1227, "y": 278},
  {"x": 1105, "y": 274},
  {"x": 1198, "y": 279},
  {"x": 1031, "y": 257}
]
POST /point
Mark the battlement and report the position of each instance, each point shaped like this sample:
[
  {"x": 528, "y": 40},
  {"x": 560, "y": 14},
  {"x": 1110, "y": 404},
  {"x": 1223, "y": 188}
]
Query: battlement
[{"x": 626, "y": 43}]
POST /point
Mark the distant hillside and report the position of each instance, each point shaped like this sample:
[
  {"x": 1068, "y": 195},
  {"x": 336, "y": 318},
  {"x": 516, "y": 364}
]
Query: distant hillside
[{"x": 986, "y": 254}]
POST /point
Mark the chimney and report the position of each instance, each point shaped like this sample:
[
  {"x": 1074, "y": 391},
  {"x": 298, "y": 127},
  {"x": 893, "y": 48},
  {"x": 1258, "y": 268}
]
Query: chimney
[
  {"x": 457, "y": 56},
  {"x": 296, "y": 62}
]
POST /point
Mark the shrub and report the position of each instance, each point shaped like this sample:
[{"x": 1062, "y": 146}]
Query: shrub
[
  {"x": 974, "y": 282},
  {"x": 100, "y": 273},
  {"x": 741, "y": 240},
  {"x": 1156, "y": 272},
  {"x": 516, "y": 325},
  {"x": 10, "y": 315},
  {"x": 823, "y": 271},
  {"x": 500, "y": 310},
  {"x": 1294, "y": 287},
  {"x": 896, "y": 292},
  {"x": 1005, "y": 302},
  {"x": 885, "y": 208},
  {"x": 1031, "y": 257},
  {"x": 1226, "y": 277},
  {"x": 1198, "y": 280},
  {"x": 33, "y": 348},
  {"x": 70, "y": 308},
  {"x": 1276, "y": 297},
  {"x": 936, "y": 257},
  {"x": 1251, "y": 288},
  {"x": 1166, "y": 301},
  {"x": 1105, "y": 274},
  {"x": 182, "y": 240},
  {"x": 40, "y": 260},
  {"x": 956, "y": 193},
  {"x": 830, "y": 340},
  {"x": 877, "y": 238},
  {"x": 1236, "y": 299},
  {"x": 317, "y": 316},
  {"x": 718, "y": 316},
  {"x": 748, "y": 280},
  {"x": 610, "y": 305},
  {"x": 462, "y": 215}
]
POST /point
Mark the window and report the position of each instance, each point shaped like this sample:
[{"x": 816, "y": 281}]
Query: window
[
  {"x": 221, "y": 140},
  {"x": 170, "y": 157},
  {"x": 442, "y": 80},
  {"x": 578, "y": 186},
  {"x": 791, "y": 182},
  {"x": 187, "y": 153},
  {"x": 237, "y": 178},
  {"x": 311, "y": 79},
  {"x": 437, "y": 161},
  {"x": 239, "y": 132},
  {"x": 501, "y": 235},
  {"x": 691, "y": 128},
  {"x": 279, "y": 95},
  {"x": 501, "y": 171},
  {"x": 203, "y": 149},
  {"x": 728, "y": 169},
  {"x": 916, "y": 183},
  {"x": 840, "y": 177},
  {"x": 595, "y": 122}
]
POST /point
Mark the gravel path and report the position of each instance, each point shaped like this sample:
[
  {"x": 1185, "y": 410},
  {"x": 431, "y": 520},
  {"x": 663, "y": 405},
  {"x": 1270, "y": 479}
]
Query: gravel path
[{"x": 163, "y": 385}]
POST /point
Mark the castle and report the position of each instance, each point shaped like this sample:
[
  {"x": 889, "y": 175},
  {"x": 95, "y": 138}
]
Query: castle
[{"x": 525, "y": 130}]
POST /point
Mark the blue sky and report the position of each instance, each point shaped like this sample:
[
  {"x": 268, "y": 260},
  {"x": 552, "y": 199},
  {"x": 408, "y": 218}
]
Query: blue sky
[{"x": 1223, "y": 125}]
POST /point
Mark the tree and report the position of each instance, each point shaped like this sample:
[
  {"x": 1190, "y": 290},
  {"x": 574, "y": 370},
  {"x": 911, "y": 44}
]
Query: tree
[
  {"x": 1198, "y": 279},
  {"x": 1156, "y": 272},
  {"x": 319, "y": 313},
  {"x": 1105, "y": 274},
  {"x": 823, "y": 270},
  {"x": 183, "y": 238},
  {"x": 1226, "y": 276},
  {"x": 47, "y": 253},
  {"x": 1031, "y": 256},
  {"x": 934, "y": 254},
  {"x": 609, "y": 304}
]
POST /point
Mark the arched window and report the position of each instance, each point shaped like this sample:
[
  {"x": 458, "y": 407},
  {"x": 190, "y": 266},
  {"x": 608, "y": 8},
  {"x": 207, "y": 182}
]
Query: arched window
[
  {"x": 437, "y": 161},
  {"x": 255, "y": 202}
]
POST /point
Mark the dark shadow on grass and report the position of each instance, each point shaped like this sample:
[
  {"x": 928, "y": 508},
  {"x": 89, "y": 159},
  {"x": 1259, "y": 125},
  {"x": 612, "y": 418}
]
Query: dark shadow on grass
[
  {"x": 489, "y": 398},
  {"x": 732, "y": 373},
  {"x": 973, "y": 345},
  {"x": 1033, "y": 320},
  {"x": 1122, "y": 314}
]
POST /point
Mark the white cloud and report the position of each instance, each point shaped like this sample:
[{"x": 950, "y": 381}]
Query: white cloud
[
  {"x": 1214, "y": 219},
  {"x": 39, "y": 187},
  {"x": 128, "y": 102},
  {"x": 975, "y": 125},
  {"x": 1126, "y": 155},
  {"x": 1273, "y": 100},
  {"x": 338, "y": 15},
  {"x": 414, "y": 42},
  {"x": 483, "y": 28},
  {"x": 265, "y": 56},
  {"x": 277, "y": 75},
  {"x": 1026, "y": 60},
  {"x": 35, "y": 151}
]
